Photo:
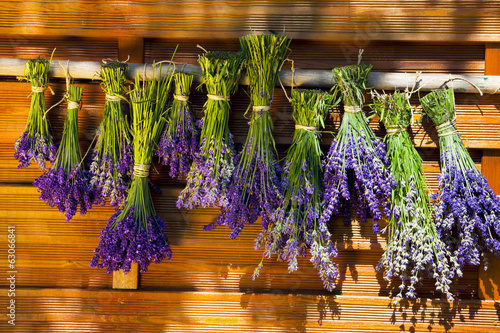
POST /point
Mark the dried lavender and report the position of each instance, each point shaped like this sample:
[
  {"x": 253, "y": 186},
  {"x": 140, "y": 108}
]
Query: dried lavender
[
  {"x": 135, "y": 233},
  {"x": 179, "y": 142},
  {"x": 211, "y": 170},
  {"x": 255, "y": 187},
  {"x": 413, "y": 244},
  {"x": 294, "y": 226},
  {"x": 467, "y": 210},
  {"x": 65, "y": 185},
  {"x": 112, "y": 156},
  {"x": 357, "y": 172},
  {"x": 36, "y": 144}
]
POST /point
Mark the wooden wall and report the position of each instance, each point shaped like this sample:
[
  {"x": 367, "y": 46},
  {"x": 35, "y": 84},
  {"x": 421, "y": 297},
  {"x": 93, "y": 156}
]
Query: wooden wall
[{"x": 207, "y": 285}]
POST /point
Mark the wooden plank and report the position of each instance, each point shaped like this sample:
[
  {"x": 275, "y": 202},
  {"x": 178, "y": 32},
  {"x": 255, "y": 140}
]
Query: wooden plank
[
  {"x": 489, "y": 281},
  {"x": 342, "y": 20},
  {"x": 64, "y": 310}
]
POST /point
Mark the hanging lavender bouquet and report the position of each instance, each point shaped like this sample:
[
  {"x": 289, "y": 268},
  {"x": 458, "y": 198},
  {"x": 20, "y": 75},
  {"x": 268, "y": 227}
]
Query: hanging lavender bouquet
[
  {"x": 112, "y": 160},
  {"x": 36, "y": 144},
  {"x": 66, "y": 185},
  {"x": 179, "y": 142},
  {"x": 255, "y": 185},
  {"x": 467, "y": 210},
  {"x": 357, "y": 172},
  {"x": 135, "y": 233},
  {"x": 295, "y": 226},
  {"x": 211, "y": 170},
  {"x": 413, "y": 244}
]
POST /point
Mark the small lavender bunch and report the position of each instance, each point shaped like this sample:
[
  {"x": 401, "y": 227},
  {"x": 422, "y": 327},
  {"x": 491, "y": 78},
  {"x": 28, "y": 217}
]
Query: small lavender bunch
[
  {"x": 467, "y": 210},
  {"x": 295, "y": 226},
  {"x": 357, "y": 172},
  {"x": 413, "y": 244},
  {"x": 255, "y": 187},
  {"x": 65, "y": 185},
  {"x": 179, "y": 142},
  {"x": 36, "y": 144},
  {"x": 135, "y": 233},
  {"x": 112, "y": 159},
  {"x": 211, "y": 170}
]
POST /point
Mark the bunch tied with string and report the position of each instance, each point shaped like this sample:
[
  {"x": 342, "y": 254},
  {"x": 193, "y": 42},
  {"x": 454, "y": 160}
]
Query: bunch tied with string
[
  {"x": 112, "y": 159},
  {"x": 413, "y": 245},
  {"x": 36, "y": 143},
  {"x": 211, "y": 170},
  {"x": 255, "y": 187},
  {"x": 65, "y": 185},
  {"x": 295, "y": 225},
  {"x": 467, "y": 211},
  {"x": 135, "y": 233},
  {"x": 179, "y": 142},
  {"x": 356, "y": 170}
]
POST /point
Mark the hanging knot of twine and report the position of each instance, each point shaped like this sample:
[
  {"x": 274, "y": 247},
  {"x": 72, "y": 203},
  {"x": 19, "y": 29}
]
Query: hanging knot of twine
[
  {"x": 182, "y": 98},
  {"x": 311, "y": 129},
  {"x": 73, "y": 105},
  {"x": 141, "y": 170},
  {"x": 446, "y": 126},
  {"x": 38, "y": 89},
  {"x": 113, "y": 98},
  {"x": 352, "y": 108},
  {"x": 218, "y": 97},
  {"x": 261, "y": 107},
  {"x": 394, "y": 129}
]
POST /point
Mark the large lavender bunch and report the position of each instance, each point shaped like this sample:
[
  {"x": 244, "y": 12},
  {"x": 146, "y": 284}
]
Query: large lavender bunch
[
  {"x": 112, "y": 159},
  {"x": 294, "y": 226},
  {"x": 135, "y": 233},
  {"x": 179, "y": 142},
  {"x": 65, "y": 185},
  {"x": 357, "y": 172},
  {"x": 211, "y": 170},
  {"x": 413, "y": 244},
  {"x": 36, "y": 144},
  {"x": 467, "y": 210},
  {"x": 255, "y": 186}
]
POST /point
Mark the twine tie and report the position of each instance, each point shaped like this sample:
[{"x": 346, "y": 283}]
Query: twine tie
[{"x": 141, "y": 170}]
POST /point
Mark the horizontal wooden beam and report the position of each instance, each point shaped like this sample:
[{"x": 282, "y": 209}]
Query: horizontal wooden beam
[{"x": 300, "y": 78}]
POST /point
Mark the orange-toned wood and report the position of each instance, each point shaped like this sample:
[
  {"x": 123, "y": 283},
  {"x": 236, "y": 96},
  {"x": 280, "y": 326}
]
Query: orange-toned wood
[
  {"x": 71, "y": 310},
  {"x": 341, "y": 20},
  {"x": 131, "y": 48},
  {"x": 489, "y": 281}
]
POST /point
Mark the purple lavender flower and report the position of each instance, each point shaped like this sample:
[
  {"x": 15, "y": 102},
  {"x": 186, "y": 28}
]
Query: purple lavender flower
[
  {"x": 179, "y": 143},
  {"x": 112, "y": 155},
  {"x": 357, "y": 173},
  {"x": 135, "y": 232},
  {"x": 126, "y": 242},
  {"x": 294, "y": 225},
  {"x": 36, "y": 144},
  {"x": 65, "y": 185},
  {"x": 212, "y": 167},
  {"x": 467, "y": 210}
]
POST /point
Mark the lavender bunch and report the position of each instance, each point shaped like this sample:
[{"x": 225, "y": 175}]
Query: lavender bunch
[
  {"x": 295, "y": 226},
  {"x": 65, "y": 185},
  {"x": 413, "y": 244},
  {"x": 357, "y": 172},
  {"x": 211, "y": 170},
  {"x": 36, "y": 144},
  {"x": 179, "y": 142},
  {"x": 255, "y": 185},
  {"x": 112, "y": 159},
  {"x": 467, "y": 210},
  {"x": 135, "y": 233}
]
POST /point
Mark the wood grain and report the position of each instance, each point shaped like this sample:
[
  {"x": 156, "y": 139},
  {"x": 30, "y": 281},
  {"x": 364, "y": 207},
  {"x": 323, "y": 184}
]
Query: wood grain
[{"x": 341, "y": 20}]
